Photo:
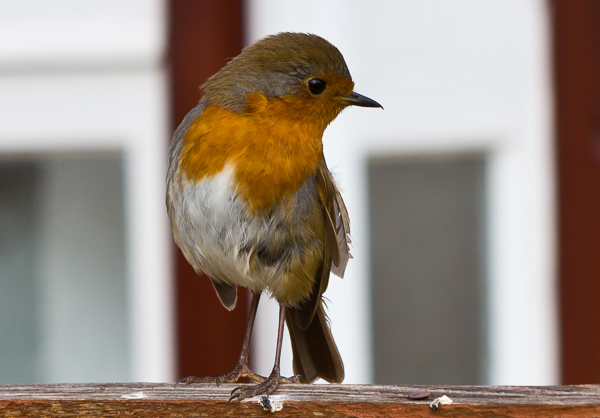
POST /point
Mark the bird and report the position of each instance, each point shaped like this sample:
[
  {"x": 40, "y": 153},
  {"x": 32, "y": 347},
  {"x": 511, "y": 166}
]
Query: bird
[{"x": 252, "y": 203}]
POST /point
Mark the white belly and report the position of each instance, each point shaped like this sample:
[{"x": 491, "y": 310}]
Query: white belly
[{"x": 211, "y": 226}]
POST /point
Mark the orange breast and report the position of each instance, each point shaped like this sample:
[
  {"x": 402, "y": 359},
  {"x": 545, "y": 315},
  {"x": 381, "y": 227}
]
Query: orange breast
[{"x": 273, "y": 148}]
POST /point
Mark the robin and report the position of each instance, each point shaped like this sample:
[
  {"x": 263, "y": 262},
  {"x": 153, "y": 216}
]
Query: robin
[{"x": 252, "y": 203}]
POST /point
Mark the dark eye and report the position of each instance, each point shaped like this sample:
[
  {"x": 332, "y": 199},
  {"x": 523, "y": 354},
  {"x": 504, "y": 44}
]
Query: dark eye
[{"x": 316, "y": 86}]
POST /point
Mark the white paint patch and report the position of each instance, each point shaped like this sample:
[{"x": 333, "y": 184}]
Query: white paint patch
[
  {"x": 135, "y": 395},
  {"x": 271, "y": 403},
  {"x": 442, "y": 400}
]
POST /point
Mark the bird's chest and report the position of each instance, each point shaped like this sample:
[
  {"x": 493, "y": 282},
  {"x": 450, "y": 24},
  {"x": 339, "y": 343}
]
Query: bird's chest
[
  {"x": 243, "y": 201},
  {"x": 271, "y": 156}
]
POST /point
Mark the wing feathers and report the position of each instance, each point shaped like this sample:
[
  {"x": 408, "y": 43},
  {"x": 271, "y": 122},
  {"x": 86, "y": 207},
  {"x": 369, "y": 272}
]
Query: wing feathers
[
  {"x": 342, "y": 228},
  {"x": 337, "y": 220}
]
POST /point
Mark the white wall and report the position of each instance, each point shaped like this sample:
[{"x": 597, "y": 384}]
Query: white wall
[
  {"x": 453, "y": 76},
  {"x": 81, "y": 77}
]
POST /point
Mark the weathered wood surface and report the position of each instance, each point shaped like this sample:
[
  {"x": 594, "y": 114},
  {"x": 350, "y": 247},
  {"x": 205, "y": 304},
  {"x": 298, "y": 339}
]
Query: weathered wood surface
[{"x": 295, "y": 400}]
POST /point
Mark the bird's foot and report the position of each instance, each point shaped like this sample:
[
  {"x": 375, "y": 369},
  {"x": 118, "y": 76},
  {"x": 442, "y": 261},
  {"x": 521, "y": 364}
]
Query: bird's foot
[
  {"x": 267, "y": 386},
  {"x": 241, "y": 370}
]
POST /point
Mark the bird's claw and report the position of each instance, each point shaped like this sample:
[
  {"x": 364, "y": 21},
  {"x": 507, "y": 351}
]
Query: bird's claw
[
  {"x": 267, "y": 386},
  {"x": 247, "y": 391}
]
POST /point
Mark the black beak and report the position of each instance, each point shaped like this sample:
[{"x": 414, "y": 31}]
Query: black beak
[{"x": 356, "y": 99}]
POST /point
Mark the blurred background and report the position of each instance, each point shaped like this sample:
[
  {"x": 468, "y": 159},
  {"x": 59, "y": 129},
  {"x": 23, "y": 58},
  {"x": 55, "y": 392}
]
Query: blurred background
[{"x": 474, "y": 196}]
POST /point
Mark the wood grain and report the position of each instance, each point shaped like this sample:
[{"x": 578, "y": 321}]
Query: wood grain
[{"x": 296, "y": 400}]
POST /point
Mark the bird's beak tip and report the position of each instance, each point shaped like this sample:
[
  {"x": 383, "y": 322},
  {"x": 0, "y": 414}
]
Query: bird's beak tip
[{"x": 356, "y": 99}]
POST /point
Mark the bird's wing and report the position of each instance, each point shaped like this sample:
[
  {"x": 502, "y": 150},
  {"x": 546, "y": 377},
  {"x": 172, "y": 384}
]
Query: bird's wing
[
  {"x": 326, "y": 191},
  {"x": 337, "y": 240},
  {"x": 336, "y": 220},
  {"x": 314, "y": 350}
]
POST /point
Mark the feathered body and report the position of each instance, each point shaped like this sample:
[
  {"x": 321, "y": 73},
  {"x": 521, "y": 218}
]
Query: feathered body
[{"x": 249, "y": 196}]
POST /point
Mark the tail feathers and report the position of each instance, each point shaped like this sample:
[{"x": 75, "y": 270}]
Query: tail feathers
[{"x": 315, "y": 353}]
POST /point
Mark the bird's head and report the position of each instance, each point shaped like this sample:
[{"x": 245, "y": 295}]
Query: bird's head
[{"x": 306, "y": 75}]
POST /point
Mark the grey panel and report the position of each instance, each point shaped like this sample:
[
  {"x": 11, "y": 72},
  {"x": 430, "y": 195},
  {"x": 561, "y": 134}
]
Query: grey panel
[
  {"x": 63, "y": 273},
  {"x": 19, "y": 246},
  {"x": 427, "y": 265},
  {"x": 84, "y": 309}
]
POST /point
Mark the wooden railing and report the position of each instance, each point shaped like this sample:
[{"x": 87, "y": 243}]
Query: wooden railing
[{"x": 296, "y": 400}]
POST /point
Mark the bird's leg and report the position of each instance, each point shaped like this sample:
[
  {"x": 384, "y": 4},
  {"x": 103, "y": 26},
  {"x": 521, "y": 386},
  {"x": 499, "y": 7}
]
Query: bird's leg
[
  {"x": 242, "y": 369},
  {"x": 272, "y": 382}
]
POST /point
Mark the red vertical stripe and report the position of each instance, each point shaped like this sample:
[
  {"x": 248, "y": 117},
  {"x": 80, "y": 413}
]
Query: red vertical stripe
[
  {"x": 577, "y": 85},
  {"x": 203, "y": 35}
]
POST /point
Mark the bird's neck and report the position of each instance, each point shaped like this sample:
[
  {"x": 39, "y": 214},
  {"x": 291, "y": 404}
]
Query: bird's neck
[{"x": 271, "y": 151}]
